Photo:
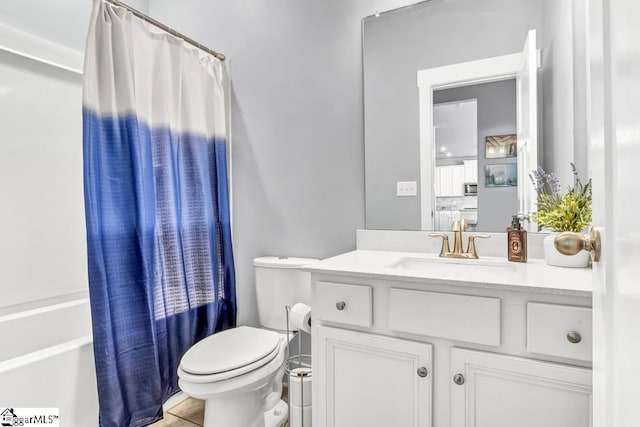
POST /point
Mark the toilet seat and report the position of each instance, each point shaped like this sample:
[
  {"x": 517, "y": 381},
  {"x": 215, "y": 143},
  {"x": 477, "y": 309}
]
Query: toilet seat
[{"x": 237, "y": 351}]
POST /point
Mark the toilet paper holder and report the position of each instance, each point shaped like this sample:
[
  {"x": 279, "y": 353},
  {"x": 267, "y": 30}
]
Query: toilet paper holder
[
  {"x": 298, "y": 367},
  {"x": 299, "y": 360}
]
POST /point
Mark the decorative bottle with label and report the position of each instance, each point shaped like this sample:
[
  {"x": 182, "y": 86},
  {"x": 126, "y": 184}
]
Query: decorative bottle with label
[{"x": 516, "y": 241}]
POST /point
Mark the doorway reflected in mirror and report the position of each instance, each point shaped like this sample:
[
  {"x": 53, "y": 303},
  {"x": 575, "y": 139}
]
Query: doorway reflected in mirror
[{"x": 464, "y": 118}]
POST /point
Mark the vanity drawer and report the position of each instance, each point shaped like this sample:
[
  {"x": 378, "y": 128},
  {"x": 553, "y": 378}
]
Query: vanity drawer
[
  {"x": 559, "y": 330},
  {"x": 456, "y": 317},
  {"x": 342, "y": 303}
]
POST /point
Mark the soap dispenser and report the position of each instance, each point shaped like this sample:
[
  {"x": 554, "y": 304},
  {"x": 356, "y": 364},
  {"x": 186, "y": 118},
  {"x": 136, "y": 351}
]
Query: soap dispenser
[{"x": 516, "y": 241}]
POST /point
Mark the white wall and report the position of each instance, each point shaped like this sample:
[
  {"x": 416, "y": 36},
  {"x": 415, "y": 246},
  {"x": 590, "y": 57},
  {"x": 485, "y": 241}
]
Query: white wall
[
  {"x": 42, "y": 243},
  {"x": 298, "y": 153},
  {"x": 64, "y": 22},
  {"x": 564, "y": 88}
]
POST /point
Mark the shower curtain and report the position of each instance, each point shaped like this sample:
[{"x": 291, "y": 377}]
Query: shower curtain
[{"x": 161, "y": 274}]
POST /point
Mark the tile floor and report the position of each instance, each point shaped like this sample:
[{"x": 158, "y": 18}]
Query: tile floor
[{"x": 189, "y": 413}]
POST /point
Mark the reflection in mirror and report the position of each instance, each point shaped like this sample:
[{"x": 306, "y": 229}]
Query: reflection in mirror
[
  {"x": 455, "y": 136},
  {"x": 509, "y": 113},
  {"x": 399, "y": 43},
  {"x": 464, "y": 117}
]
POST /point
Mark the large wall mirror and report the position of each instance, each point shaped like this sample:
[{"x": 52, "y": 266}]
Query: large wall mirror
[{"x": 452, "y": 129}]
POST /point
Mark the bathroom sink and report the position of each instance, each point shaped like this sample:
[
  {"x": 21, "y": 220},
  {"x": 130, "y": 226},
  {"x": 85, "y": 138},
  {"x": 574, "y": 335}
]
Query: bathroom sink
[{"x": 445, "y": 265}]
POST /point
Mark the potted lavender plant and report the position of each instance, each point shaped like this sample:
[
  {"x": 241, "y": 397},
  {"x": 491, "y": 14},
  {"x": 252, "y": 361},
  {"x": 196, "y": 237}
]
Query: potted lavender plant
[{"x": 559, "y": 212}]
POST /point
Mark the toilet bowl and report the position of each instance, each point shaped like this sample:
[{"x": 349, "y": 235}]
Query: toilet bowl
[
  {"x": 238, "y": 372},
  {"x": 243, "y": 389}
]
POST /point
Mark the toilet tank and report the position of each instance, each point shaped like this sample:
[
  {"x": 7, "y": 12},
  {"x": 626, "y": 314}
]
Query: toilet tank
[{"x": 280, "y": 282}]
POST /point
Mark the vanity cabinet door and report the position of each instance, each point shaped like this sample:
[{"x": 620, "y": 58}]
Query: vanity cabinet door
[
  {"x": 493, "y": 390},
  {"x": 371, "y": 380}
]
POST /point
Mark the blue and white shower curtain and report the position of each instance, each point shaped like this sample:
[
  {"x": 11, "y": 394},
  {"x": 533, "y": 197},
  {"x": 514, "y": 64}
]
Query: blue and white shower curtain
[{"x": 161, "y": 274}]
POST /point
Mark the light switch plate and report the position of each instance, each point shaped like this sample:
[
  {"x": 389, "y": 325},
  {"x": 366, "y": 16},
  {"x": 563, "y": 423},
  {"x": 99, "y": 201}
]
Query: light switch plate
[{"x": 407, "y": 188}]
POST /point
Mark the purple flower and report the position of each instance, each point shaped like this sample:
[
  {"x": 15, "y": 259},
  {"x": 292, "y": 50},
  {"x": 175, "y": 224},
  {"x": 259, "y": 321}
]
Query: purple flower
[
  {"x": 554, "y": 182},
  {"x": 548, "y": 183}
]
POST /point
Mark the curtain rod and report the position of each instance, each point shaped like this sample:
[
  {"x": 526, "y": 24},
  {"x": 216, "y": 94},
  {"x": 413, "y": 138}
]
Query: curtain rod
[{"x": 168, "y": 29}]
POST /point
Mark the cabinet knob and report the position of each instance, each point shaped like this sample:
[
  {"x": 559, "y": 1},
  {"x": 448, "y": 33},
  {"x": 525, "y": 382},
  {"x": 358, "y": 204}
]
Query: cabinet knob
[
  {"x": 574, "y": 337},
  {"x": 340, "y": 305},
  {"x": 458, "y": 379},
  {"x": 422, "y": 372}
]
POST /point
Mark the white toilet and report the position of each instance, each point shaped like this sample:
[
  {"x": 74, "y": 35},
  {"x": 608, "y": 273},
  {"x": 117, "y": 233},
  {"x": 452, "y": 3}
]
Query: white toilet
[{"x": 238, "y": 372}]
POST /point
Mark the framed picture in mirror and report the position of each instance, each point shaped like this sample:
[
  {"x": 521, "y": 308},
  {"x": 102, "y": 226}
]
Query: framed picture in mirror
[
  {"x": 501, "y": 146},
  {"x": 502, "y": 175}
]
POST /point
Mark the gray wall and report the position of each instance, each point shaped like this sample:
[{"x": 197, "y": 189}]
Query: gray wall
[
  {"x": 396, "y": 46},
  {"x": 496, "y": 116},
  {"x": 297, "y": 122}
]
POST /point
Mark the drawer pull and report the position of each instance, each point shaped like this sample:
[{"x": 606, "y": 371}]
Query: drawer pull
[
  {"x": 422, "y": 372},
  {"x": 574, "y": 337},
  {"x": 340, "y": 305},
  {"x": 458, "y": 379}
]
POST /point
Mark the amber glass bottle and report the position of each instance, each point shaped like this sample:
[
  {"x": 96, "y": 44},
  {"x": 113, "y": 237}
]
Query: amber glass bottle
[{"x": 516, "y": 241}]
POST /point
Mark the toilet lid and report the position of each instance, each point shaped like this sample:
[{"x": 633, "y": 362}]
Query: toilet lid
[{"x": 228, "y": 350}]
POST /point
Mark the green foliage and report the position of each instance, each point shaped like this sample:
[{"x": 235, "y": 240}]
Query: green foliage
[{"x": 568, "y": 212}]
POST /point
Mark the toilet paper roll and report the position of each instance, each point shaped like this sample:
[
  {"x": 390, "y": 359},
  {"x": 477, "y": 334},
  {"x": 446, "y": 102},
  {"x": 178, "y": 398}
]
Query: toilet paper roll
[
  {"x": 300, "y": 387},
  {"x": 299, "y": 416},
  {"x": 300, "y": 318}
]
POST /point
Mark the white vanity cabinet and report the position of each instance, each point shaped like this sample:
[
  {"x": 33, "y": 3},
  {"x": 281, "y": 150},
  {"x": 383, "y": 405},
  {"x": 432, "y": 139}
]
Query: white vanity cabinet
[
  {"x": 411, "y": 351},
  {"x": 494, "y": 390},
  {"x": 371, "y": 380}
]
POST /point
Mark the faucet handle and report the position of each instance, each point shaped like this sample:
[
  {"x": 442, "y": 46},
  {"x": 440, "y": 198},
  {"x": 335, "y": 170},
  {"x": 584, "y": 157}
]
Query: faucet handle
[
  {"x": 471, "y": 247},
  {"x": 445, "y": 242},
  {"x": 459, "y": 225}
]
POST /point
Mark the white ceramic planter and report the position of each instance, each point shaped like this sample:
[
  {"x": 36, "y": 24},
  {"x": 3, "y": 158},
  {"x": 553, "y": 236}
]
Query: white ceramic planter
[{"x": 553, "y": 257}]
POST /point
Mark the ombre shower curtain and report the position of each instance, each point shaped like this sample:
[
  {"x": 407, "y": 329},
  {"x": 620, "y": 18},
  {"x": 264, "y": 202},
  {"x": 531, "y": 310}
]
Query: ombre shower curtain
[{"x": 161, "y": 274}]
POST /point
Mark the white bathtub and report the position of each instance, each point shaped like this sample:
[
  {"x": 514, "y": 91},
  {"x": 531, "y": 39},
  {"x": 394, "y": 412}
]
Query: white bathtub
[{"x": 46, "y": 361}]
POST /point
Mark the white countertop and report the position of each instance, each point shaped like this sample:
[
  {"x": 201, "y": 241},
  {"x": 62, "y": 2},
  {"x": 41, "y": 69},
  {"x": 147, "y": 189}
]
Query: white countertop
[{"x": 489, "y": 272}]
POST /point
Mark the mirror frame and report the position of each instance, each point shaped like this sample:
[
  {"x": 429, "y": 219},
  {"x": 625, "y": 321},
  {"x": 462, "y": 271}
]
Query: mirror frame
[{"x": 462, "y": 74}]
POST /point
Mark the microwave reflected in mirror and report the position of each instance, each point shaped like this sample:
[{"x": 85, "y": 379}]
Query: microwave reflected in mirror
[{"x": 470, "y": 188}]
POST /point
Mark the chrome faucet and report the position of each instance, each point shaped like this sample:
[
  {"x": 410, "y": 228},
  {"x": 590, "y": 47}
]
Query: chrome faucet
[{"x": 458, "y": 252}]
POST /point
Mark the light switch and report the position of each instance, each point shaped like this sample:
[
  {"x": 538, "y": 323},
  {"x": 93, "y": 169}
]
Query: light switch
[{"x": 407, "y": 188}]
